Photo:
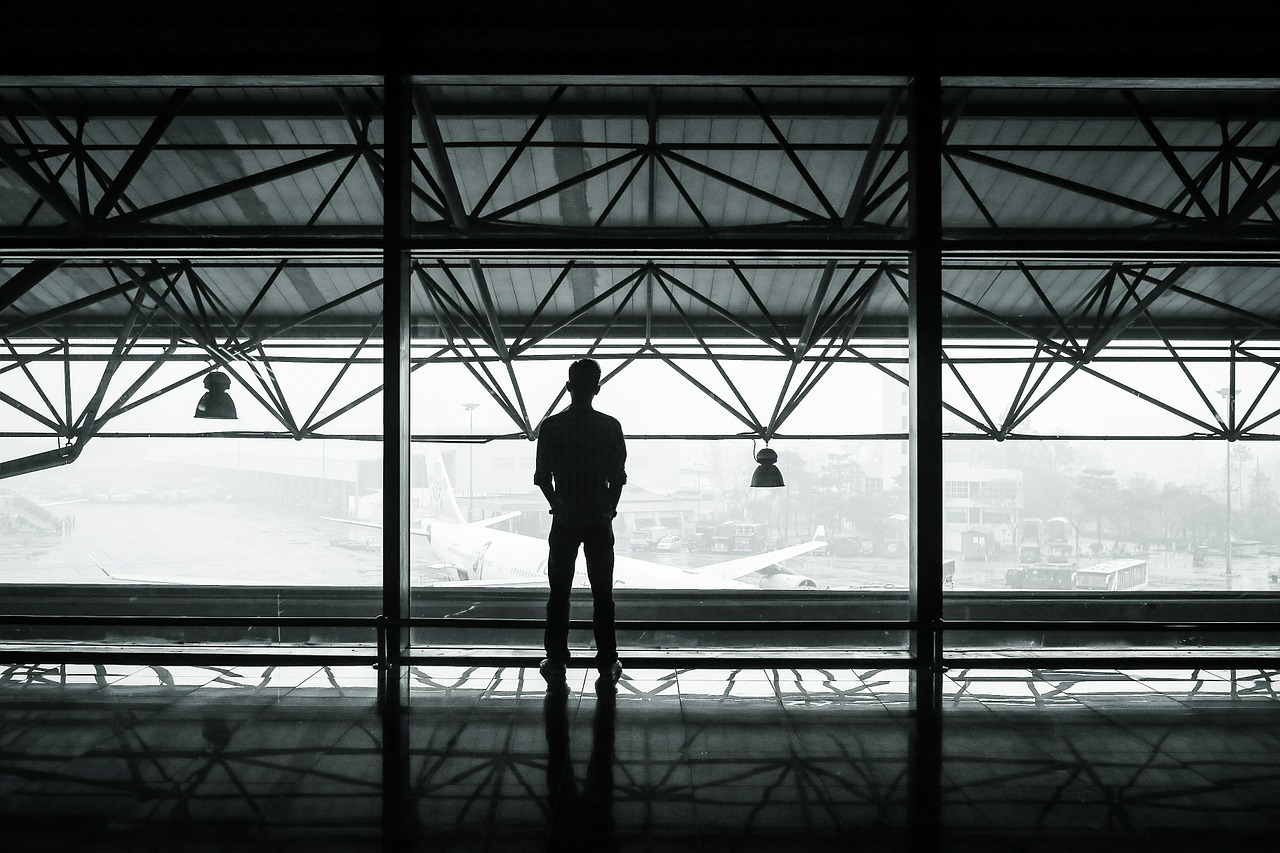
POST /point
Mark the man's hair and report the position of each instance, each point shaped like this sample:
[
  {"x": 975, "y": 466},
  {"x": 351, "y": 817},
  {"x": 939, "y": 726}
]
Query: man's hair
[{"x": 584, "y": 374}]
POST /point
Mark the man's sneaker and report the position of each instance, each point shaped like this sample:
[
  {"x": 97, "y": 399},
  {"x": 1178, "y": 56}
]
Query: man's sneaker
[
  {"x": 552, "y": 671},
  {"x": 610, "y": 674}
]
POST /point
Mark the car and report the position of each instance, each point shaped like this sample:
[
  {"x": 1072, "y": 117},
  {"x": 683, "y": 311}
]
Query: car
[{"x": 669, "y": 543}]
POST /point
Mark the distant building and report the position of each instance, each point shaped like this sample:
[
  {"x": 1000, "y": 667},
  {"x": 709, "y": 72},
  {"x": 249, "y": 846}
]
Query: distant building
[
  {"x": 506, "y": 467},
  {"x": 981, "y": 500}
]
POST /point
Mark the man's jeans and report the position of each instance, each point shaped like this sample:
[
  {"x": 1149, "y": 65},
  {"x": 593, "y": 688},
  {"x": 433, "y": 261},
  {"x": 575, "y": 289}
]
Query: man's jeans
[{"x": 596, "y": 539}]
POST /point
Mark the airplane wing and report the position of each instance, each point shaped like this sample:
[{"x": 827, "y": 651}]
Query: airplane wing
[
  {"x": 115, "y": 573},
  {"x": 497, "y": 519},
  {"x": 373, "y": 525},
  {"x": 484, "y": 522},
  {"x": 734, "y": 569}
]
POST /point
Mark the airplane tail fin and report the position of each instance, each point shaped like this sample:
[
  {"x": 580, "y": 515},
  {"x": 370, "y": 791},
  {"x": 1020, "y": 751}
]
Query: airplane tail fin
[{"x": 442, "y": 505}]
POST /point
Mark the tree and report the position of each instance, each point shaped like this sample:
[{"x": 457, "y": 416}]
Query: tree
[
  {"x": 1139, "y": 511},
  {"x": 1094, "y": 496},
  {"x": 1189, "y": 515},
  {"x": 1262, "y": 513},
  {"x": 799, "y": 495},
  {"x": 842, "y": 486},
  {"x": 1045, "y": 467}
]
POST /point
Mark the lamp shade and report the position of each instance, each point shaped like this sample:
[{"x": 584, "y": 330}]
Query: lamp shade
[
  {"x": 216, "y": 404},
  {"x": 767, "y": 475}
]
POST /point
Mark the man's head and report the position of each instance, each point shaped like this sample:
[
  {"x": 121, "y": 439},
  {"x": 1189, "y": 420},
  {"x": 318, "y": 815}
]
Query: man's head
[{"x": 584, "y": 380}]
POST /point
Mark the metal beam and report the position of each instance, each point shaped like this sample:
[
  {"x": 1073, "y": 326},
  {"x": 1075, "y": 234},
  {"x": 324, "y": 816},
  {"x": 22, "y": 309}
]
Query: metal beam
[
  {"x": 140, "y": 154},
  {"x": 853, "y": 212},
  {"x": 563, "y": 185},
  {"x": 706, "y": 349},
  {"x": 440, "y": 159},
  {"x": 1188, "y": 184},
  {"x": 394, "y": 635},
  {"x": 1117, "y": 325},
  {"x": 727, "y": 315},
  {"x": 791, "y": 154},
  {"x": 1154, "y": 211},
  {"x": 266, "y": 176},
  {"x": 490, "y": 311},
  {"x": 815, "y": 307},
  {"x": 742, "y": 186},
  {"x": 925, "y": 328},
  {"x": 51, "y": 193},
  {"x": 518, "y": 151},
  {"x": 21, "y": 283}
]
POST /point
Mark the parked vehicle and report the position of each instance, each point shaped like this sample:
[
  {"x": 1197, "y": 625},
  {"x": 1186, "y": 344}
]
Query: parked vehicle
[
  {"x": 739, "y": 537},
  {"x": 669, "y": 543},
  {"x": 647, "y": 538}
]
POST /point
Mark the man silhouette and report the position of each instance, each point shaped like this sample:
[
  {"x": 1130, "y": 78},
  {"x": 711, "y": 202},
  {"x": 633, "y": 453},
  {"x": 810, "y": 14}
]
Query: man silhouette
[{"x": 581, "y": 470}]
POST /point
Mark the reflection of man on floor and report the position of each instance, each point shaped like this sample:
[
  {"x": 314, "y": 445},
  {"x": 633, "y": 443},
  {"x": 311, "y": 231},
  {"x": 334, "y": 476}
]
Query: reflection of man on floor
[
  {"x": 581, "y": 819},
  {"x": 581, "y": 469}
]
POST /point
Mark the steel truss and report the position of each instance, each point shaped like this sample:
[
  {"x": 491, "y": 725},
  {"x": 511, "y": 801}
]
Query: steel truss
[
  {"x": 1162, "y": 174},
  {"x": 91, "y": 163},
  {"x": 175, "y": 316},
  {"x": 1116, "y": 319},
  {"x": 179, "y": 316}
]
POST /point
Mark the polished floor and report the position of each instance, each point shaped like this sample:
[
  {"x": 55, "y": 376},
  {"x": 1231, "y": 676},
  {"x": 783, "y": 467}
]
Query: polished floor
[{"x": 133, "y": 758}]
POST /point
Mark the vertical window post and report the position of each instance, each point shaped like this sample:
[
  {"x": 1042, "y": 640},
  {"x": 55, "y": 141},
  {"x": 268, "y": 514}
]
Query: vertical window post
[
  {"x": 924, "y": 312},
  {"x": 394, "y": 671},
  {"x": 924, "y": 167}
]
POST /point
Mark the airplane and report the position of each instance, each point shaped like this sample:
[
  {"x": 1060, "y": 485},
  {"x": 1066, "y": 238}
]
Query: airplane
[
  {"x": 24, "y": 512},
  {"x": 476, "y": 554}
]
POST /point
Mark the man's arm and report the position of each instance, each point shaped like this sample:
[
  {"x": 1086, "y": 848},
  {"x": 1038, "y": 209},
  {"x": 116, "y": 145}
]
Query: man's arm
[
  {"x": 550, "y": 494},
  {"x": 617, "y": 470},
  {"x": 542, "y": 476}
]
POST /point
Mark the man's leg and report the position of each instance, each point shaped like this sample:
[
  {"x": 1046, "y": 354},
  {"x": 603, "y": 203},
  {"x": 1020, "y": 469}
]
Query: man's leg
[
  {"x": 597, "y": 545},
  {"x": 562, "y": 546}
]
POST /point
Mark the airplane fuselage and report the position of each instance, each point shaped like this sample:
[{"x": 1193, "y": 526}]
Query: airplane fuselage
[{"x": 495, "y": 556}]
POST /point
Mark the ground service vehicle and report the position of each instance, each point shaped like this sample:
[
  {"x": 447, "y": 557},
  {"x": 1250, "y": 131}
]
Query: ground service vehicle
[
  {"x": 1041, "y": 576},
  {"x": 1113, "y": 575},
  {"x": 739, "y": 537}
]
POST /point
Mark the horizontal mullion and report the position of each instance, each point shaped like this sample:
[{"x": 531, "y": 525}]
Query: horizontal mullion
[
  {"x": 267, "y": 242},
  {"x": 249, "y": 656},
  {"x": 1215, "y": 659},
  {"x": 671, "y": 625},
  {"x": 1105, "y": 625},
  {"x": 194, "y": 621}
]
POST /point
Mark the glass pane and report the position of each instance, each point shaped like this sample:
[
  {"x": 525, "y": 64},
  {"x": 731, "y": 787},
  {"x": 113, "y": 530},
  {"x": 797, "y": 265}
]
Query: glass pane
[
  {"x": 1110, "y": 452},
  {"x": 693, "y": 541},
  {"x": 215, "y": 434}
]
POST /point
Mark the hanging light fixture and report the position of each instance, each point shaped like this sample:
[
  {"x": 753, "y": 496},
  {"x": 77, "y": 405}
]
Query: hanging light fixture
[
  {"x": 767, "y": 475},
  {"x": 216, "y": 403}
]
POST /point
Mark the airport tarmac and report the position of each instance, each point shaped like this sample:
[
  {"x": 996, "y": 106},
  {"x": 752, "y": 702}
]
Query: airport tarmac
[
  {"x": 238, "y": 542},
  {"x": 214, "y": 541}
]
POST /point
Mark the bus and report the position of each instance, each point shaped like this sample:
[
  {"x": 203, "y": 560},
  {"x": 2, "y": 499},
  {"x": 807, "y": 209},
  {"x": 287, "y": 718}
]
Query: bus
[
  {"x": 1041, "y": 576},
  {"x": 1113, "y": 575}
]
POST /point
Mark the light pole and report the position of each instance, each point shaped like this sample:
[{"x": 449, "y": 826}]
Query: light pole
[
  {"x": 471, "y": 461},
  {"x": 1230, "y": 395}
]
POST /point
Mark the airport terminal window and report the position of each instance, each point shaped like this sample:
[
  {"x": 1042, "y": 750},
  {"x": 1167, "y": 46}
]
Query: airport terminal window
[
  {"x": 166, "y": 514},
  {"x": 1127, "y": 404},
  {"x": 1100, "y": 407},
  {"x": 685, "y": 511}
]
